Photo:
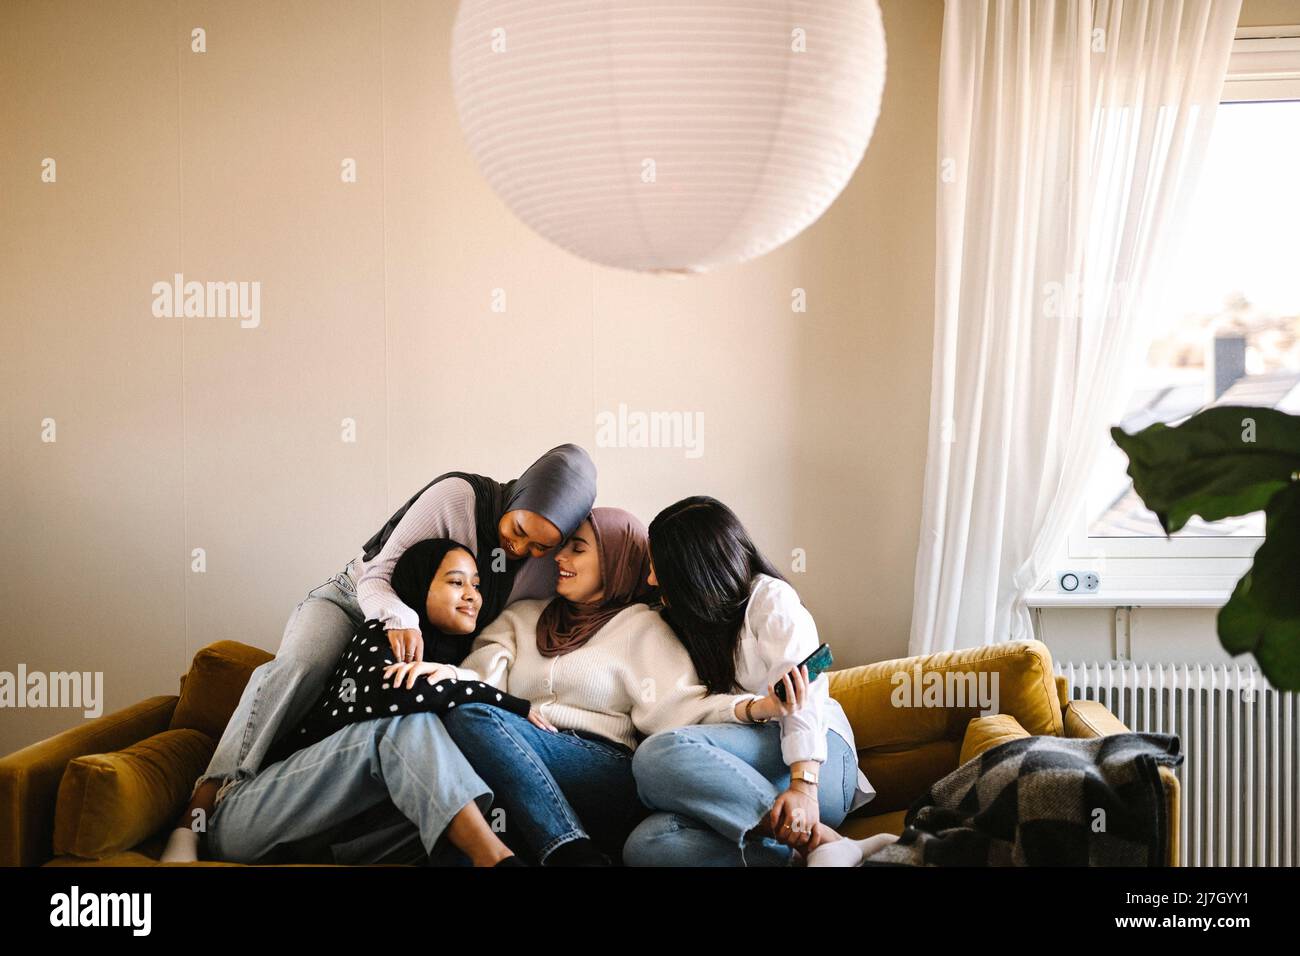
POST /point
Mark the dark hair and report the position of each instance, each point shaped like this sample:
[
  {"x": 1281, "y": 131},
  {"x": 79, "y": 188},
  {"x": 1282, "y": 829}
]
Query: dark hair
[
  {"x": 705, "y": 562},
  {"x": 412, "y": 574}
]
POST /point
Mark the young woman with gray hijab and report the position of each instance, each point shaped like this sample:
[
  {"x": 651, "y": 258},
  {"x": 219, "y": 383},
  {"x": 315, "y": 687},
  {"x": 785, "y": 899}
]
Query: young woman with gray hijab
[{"x": 510, "y": 527}]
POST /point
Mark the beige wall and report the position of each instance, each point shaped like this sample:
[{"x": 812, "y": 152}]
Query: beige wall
[
  {"x": 1262, "y": 13},
  {"x": 175, "y": 434}
]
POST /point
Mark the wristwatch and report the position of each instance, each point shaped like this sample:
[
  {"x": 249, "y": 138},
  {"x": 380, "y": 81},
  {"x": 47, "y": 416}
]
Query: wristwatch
[{"x": 807, "y": 776}]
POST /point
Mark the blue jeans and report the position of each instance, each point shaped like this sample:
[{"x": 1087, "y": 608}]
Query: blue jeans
[
  {"x": 404, "y": 772},
  {"x": 280, "y": 692},
  {"x": 553, "y": 787},
  {"x": 712, "y": 783}
]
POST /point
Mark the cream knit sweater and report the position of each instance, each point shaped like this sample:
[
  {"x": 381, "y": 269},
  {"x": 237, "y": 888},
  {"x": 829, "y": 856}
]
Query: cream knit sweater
[{"x": 632, "y": 676}]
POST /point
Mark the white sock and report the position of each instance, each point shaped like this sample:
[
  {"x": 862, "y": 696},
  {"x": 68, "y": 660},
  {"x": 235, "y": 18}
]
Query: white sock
[
  {"x": 849, "y": 852},
  {"x": 182, "y": 847}
]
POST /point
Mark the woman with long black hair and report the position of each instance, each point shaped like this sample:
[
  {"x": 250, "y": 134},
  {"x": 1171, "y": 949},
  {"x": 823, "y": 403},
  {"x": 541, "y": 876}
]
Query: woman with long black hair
[{"x": 738, "y": 794}]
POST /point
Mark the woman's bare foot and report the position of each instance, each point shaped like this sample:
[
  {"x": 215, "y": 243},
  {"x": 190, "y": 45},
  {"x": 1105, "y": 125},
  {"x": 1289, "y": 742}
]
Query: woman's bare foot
[{"x": 470, "y": 834}]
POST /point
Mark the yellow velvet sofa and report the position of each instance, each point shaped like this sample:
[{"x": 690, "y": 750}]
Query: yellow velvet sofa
[{"x": 106, "y": 792}]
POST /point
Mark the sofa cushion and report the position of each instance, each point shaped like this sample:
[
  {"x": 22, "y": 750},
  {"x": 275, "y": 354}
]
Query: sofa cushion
[
  {"x": 108, "y": 803},
  {"x": 211, "y": 690},
  {"x": 889, "y": 706},
  {"x": 985, "y": 732},
  {"x": 126, "y": 858},
  {"x": 30, "y": 778},
  {"x": 859, "y": 828},
  {"x": 901, "y": 774}
]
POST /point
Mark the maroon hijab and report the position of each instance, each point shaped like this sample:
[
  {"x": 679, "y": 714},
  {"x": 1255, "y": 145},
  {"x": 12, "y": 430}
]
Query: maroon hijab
[{"x": 623, "y": 549}]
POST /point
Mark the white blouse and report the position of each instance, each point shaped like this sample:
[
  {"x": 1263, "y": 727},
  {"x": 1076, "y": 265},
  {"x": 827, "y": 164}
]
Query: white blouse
[{"x": 778, "y": 634}]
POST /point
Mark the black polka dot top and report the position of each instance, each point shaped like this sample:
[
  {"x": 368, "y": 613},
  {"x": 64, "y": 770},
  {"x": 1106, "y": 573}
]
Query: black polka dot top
[{"x": 358, "y": 691}]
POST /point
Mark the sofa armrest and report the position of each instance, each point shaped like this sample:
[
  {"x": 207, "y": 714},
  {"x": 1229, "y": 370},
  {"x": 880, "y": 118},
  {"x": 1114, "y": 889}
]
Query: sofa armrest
[
  {"x": 1173, "y": 811},
  {"x": 29, "y": 778},
  {"x": 1090, "y": 718},
  {"x": 211, "y": 689}
]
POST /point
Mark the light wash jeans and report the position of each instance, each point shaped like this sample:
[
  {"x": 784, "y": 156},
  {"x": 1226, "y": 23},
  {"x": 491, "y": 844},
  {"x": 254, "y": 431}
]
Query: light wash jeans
[
  {"x": 293, "y": 809},
  {"x": 280, "y": 692},
  {"x": 712, "y": 783}
]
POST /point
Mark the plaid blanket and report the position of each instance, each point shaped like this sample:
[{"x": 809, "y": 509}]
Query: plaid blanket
[{"x": 1044, "y": 801}]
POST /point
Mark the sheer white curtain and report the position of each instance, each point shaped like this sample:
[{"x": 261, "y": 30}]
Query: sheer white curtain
[{"x": 1071, "y": 133}]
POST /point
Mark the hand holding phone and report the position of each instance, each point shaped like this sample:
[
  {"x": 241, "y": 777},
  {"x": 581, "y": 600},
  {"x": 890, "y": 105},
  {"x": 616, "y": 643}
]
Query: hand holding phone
[
  {"x": 818, "y": 662},
  {"x": 786, "y": 696}
]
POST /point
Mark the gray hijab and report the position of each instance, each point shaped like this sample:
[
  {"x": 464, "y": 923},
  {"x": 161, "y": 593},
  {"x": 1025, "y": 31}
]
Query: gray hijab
[{"x": 560, "y": 486}]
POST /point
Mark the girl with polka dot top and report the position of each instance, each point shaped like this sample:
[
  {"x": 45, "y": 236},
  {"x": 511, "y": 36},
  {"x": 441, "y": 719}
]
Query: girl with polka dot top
[
  {"x": 435, "y": 576},
  {"x": 374, "y": 742}
]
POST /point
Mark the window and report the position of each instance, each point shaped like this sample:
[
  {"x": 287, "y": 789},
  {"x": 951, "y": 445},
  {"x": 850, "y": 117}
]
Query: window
[{"x": 1231, "y": 331}]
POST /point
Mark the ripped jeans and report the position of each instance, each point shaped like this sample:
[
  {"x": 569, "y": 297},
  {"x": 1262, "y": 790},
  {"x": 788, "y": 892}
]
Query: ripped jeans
[
  {"x": 380, "y": 791},
  {"x": 280, "y": 692},
  {"x": 710, "y": 784}
]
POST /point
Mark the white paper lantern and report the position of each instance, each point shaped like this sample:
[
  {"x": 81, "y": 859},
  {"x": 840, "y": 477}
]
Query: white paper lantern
[{"x": 668, "y": 135}]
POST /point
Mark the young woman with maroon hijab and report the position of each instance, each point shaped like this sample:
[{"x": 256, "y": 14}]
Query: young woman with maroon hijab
[{"x": 601, "y": 669}]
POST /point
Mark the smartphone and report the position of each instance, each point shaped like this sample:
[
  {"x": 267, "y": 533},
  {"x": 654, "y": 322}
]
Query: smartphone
[{"x": 818, "y": 663}]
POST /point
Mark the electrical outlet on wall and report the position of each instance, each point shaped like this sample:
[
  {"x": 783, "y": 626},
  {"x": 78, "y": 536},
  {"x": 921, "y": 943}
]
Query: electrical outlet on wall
[{"x": 1072, "y": 581}]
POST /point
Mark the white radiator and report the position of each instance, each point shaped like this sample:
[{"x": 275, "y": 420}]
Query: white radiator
[{"x": 1239, "y": 742}]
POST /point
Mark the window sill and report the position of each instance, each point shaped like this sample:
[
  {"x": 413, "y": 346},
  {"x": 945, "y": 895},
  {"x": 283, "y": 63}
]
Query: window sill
[{"x": 1109, "y": 599}]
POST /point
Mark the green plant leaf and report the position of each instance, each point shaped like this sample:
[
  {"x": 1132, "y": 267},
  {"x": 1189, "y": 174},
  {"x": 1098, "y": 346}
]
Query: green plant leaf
[
  {"x": 1223, "y": 461},
  {"x": 1275, "y": 573},
  {"x": 1246, "y": 628}
]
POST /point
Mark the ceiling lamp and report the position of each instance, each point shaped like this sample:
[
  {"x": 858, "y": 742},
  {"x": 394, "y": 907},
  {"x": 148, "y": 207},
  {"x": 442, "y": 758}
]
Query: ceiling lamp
[{"x": 668, "y": 135}]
